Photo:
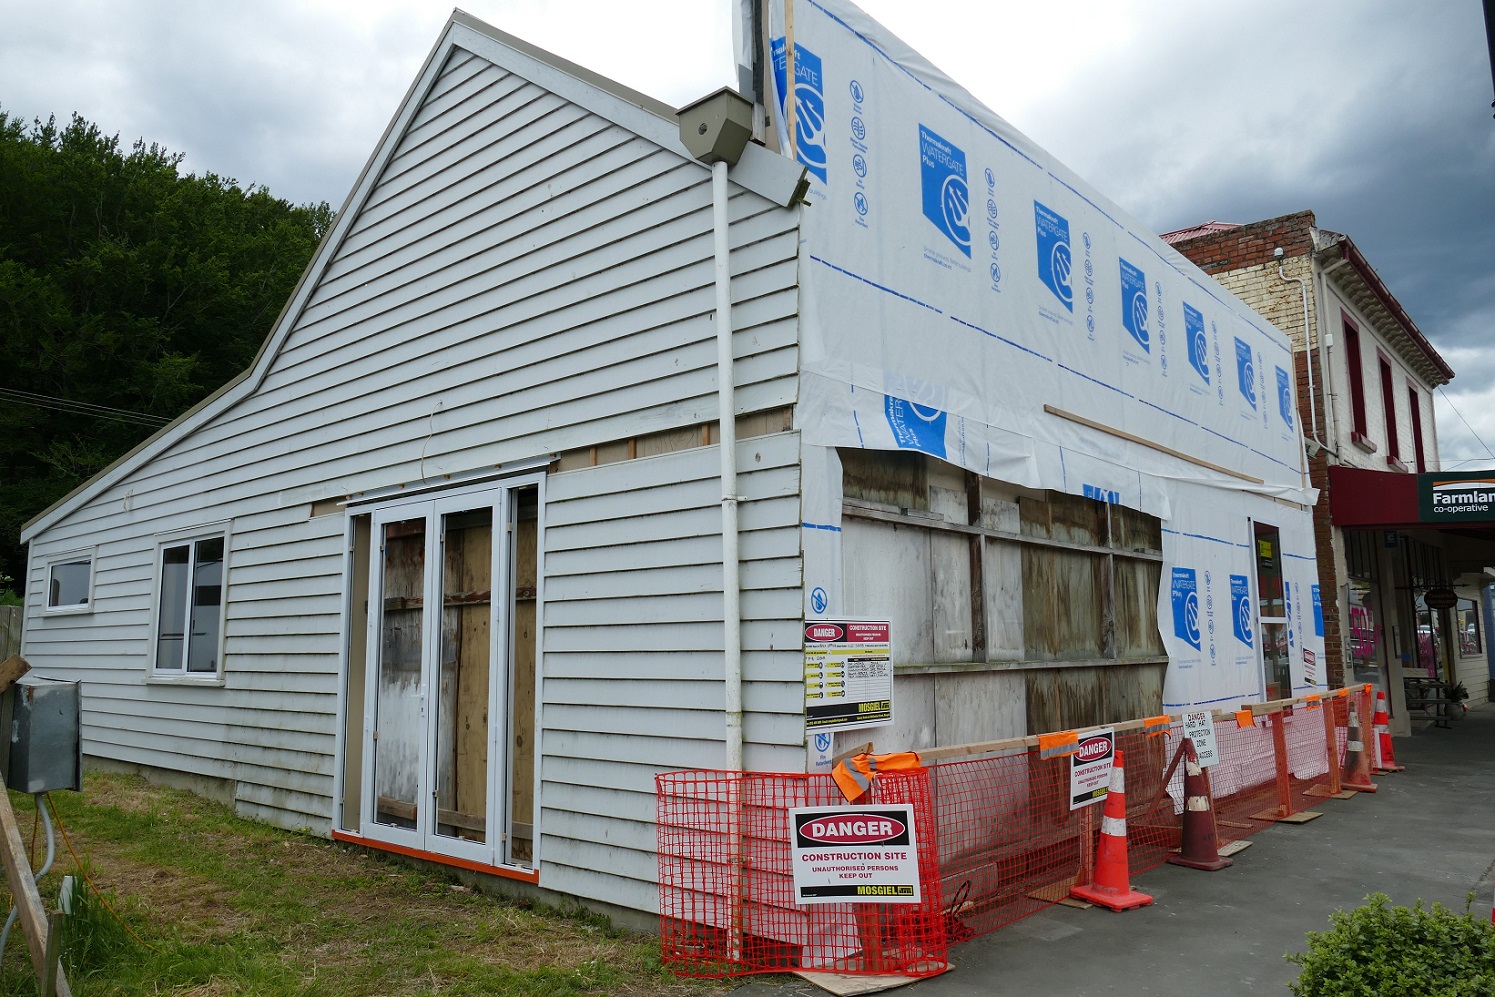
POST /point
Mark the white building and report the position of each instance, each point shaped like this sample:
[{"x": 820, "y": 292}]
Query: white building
[{"x": 442, "y": 573}]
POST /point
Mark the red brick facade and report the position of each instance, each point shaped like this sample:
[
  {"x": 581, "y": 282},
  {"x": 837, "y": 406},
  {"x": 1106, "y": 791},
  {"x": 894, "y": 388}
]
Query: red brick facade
[{"x": 1250, "y": 245}]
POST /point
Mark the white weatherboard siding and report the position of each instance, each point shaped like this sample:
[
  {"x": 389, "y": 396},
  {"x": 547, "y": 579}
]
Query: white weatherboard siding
[
  {"x": 633, "y": 638},
  {"x": 521, "y": 277}
]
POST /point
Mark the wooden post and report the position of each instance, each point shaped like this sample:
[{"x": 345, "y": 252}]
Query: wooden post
[
  {"x": 791, "y": 113},
  {"x": 11, "y": 669},
  {"x": 32, "y": 915},
  {"x": 1279, "y": 752},
  {"x": 53, "y": 968},
  {"x": 1331, "y": 747}
]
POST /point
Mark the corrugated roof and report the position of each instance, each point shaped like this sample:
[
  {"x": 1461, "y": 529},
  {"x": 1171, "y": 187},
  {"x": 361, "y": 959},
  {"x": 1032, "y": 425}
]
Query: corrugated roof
[{"x": 1184, "y": 234}]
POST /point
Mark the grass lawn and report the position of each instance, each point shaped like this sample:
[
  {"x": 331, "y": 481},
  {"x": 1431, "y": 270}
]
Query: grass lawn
[{"x": 221, "y": 906}]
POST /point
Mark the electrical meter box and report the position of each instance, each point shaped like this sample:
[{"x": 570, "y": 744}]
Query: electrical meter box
[{"x": 42, "y": 744}]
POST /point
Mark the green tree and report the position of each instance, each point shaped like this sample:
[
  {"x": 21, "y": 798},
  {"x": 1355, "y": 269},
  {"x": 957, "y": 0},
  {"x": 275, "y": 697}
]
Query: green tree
[{"x": 125, "y": 284}]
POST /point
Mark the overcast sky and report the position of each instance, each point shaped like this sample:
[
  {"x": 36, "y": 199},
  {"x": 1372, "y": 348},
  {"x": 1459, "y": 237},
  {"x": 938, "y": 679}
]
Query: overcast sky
[{"x": 1375, "y": 114}]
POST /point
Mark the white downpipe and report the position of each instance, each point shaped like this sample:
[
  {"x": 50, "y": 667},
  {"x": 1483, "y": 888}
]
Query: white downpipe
[
  {"x": 1326, "y": 357},
  {"x": 727, "y": 418},
  {"x": 1308, "y": 350}
]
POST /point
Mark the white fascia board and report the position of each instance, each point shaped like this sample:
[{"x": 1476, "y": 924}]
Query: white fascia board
[{"x": 761, "y": 171}]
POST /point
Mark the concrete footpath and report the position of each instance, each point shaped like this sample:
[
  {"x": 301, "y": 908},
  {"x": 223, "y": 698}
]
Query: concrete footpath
[{"x": 1428, "y": 833}]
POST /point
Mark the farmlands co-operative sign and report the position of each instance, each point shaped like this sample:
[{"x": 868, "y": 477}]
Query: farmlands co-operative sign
[{"x": 1453, "y": 498}]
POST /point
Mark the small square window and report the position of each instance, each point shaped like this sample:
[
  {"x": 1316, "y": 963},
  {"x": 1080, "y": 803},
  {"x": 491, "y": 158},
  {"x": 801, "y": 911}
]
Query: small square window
[{"x": 70, "y": 584}]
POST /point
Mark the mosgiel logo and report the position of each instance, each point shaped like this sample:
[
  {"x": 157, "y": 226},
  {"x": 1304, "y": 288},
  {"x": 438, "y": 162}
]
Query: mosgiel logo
[{"x": 852, "y": 830}]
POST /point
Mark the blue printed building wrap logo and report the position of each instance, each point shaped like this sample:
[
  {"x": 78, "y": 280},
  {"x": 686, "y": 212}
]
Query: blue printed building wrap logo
[
  {"x": 1198, "y": 341},
  {"x": 1245, "y": 368},
  {"x": 947, "y": 198},
  {"x": 809, "y": 103},
  {"x": 1284, "y": 397},
  {"x": 1186, "y": 606},
  {"x": 1055, "y": 260},
  {"x": 1318, "y": 611},
  {"x": 915, "y": 426},
  {"x": 1240, "y": 608},
  {"x": 1134, "y": 305}
]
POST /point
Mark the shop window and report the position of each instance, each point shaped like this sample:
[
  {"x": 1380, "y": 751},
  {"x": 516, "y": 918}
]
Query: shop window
[
  {"x": 189, "y": 614},
  {"x": 1360, "y": 548},
  {"x": 70, "y": 583},
  {"x": 1423, "y": 568},
  {"x": 1466, "y": 621},
  {"x": 1271, "y": 607}
]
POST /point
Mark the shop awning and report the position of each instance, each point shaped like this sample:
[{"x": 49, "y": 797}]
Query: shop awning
[{"x": 1459, "y": 501}]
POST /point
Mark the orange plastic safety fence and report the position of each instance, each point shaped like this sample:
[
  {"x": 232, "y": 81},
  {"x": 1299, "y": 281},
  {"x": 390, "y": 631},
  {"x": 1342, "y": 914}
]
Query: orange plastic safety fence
[
  {"x": 726, "y": 892},
  {"x": 1000, "y": 838}
]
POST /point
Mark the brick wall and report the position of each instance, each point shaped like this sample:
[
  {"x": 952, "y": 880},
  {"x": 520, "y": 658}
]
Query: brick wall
[{"x": 1250, "y": 245}]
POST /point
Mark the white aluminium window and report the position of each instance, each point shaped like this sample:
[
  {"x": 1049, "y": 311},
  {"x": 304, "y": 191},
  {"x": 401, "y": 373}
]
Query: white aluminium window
[
  {"x": 70, "y": 582},
  {"x": 189, "y": 613}
]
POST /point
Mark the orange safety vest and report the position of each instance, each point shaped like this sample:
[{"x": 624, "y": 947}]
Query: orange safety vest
[{"x": 854, "y": 775}]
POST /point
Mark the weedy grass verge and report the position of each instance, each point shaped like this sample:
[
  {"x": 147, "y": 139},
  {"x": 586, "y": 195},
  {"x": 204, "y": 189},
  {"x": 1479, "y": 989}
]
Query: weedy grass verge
[{"x": 195, "y": 902}]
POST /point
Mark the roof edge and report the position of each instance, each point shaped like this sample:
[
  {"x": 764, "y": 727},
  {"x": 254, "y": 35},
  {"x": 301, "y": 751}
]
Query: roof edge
[
  {"x": 761, "y": 170},
  {"x": 587, "y": 76},
  {"x": 1351, "y": 253}
]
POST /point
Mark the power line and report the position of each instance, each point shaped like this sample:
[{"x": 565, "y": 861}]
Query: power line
[
  {"x": 1466, "y": 426},
  {"x": 82, "y": 408}
]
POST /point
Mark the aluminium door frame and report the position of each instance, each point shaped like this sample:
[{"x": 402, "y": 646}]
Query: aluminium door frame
[{"x": 495, "y": 851}]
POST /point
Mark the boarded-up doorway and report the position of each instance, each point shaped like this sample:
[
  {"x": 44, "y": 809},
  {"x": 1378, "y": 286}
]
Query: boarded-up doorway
[{"x": 439, "y": 752}]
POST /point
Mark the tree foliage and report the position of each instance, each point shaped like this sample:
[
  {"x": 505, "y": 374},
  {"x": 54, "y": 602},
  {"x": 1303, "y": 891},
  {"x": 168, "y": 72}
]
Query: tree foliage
[{"x": 123, "y": 283}]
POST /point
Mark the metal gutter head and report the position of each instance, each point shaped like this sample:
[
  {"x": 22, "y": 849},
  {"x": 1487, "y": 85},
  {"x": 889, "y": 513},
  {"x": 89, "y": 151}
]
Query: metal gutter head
[{"x": 717, "y": 127}]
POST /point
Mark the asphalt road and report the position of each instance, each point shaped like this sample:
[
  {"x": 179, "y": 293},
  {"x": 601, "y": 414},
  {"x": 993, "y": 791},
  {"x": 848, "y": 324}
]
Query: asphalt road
[{"x": 1428, "y": 833}]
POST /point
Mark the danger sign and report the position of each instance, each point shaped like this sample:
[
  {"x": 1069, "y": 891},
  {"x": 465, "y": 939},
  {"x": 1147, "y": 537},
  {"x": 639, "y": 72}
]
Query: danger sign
[{"x": 855, "y": 855}]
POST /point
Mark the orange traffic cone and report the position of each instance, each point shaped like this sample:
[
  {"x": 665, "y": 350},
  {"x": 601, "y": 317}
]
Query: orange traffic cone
[
  {"x": 1110, "y": 885},
  {"x": 1385, "y": 757},
  {"x": 1201, "y": 844},
  {"x": 1356, "y": 773}
]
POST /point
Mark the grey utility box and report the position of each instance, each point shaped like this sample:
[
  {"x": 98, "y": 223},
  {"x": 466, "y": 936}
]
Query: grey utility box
[{"x": 42, "y": 747}]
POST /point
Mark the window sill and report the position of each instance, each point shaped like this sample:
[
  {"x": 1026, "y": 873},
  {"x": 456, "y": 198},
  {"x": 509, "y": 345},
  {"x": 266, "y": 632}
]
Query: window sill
[
  {"x": 1396, "y": 464},
  {"x": 1363, "y": 442},
  {"x": 166, "y": 679},
  {"x": 66, "y": 610}
]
